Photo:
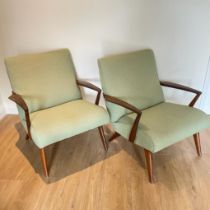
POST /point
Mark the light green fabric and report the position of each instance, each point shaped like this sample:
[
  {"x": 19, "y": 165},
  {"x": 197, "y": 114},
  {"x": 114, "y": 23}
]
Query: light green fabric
[
  {"x": 63, "y": 121},
  {"x": 47, "y": 83},
  {"x": 43, "y": 79},
  {"x": 163, "y": 125},
  {"x": 131, "y": 77}
]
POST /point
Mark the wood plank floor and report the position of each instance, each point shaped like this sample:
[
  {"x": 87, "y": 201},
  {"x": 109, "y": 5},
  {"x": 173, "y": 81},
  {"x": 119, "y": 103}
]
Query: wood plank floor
[{"x": 84, "y": 177}]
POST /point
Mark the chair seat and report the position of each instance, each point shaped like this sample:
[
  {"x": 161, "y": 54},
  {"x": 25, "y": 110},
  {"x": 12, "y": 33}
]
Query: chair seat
[
  {"x": 63, "y": 121},
  {"x": 163, "y": 125}
]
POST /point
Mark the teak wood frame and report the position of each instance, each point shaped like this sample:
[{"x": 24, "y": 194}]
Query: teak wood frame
[
  {"x": 20, "y": 102},
  {"x": 132, "y": 136}
]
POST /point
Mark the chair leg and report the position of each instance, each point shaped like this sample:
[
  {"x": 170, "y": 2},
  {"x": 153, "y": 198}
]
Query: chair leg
[
  {"x": 114, "y": 136},
  {"x": 43, "y": 159},
  {"x": 27, "y": 137},
  {"x": 103, "y": 139},
  {"x": 148, "y": 156},
  {"x": 196, "y": 137}
]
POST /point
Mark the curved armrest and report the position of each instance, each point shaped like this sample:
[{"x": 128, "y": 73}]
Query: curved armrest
[
  {"x": 126, "y": 105},
  {"x": 122, "y": 103},
  {"x": 185, "y": 88},
  {"x": 92, "y": 87},
  {"x": 20, "y": 101}
]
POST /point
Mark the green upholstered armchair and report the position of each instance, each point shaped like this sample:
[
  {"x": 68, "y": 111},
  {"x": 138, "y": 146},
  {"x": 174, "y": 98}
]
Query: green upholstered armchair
[
  {"x": 49, "y": 100},
  {"x": 138, "y": 109}
]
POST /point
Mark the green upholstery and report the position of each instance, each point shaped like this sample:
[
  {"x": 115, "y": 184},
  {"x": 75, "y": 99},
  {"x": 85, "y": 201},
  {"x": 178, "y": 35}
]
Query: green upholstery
[
  {"x": 131, "y": 77},
  {"x": 163, "y": 125},
  {"x": 47, "y": 83},
  {"x": 57, "y": 123},
  {"x": 43, "y": 79}
]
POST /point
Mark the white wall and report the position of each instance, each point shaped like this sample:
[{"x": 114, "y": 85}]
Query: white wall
[
  {"x": 205, "y": 102},
  {"x": 178, "y": 32}
]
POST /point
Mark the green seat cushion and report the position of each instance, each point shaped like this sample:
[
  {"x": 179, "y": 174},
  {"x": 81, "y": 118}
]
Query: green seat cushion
[
  {"x": 43, "y": 79},
  {"x": 131, "y": 77},
  {"x": 163, "y": 125},
  {"x": 63, "y": 121}
]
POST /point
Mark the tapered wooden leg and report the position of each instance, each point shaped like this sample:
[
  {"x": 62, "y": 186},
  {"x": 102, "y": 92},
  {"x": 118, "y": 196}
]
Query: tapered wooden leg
[
  {"x": 43, "y": 159},
  {"x": 114, "y": 136},
  {"x": 27, "y": 137},
  {"x": 148, "y": 156},
  {"x": 196, "y": 137},
  {"x": 103, "y": 139}
]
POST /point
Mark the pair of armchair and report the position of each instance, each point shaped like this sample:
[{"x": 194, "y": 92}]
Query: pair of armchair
[{"x": 51, "y": 108}]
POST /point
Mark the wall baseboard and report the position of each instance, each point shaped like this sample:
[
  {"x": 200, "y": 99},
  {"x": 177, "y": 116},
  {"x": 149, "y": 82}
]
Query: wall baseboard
[
  {"x": 2, "y": 112},
  {"x": 2, "y": 116}
]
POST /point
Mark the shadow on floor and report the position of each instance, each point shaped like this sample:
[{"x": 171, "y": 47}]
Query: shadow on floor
[
  {"x": 169, "y": 163},
  {"x": 65, "y": 157},
  {"x": 85, "y": 150}
]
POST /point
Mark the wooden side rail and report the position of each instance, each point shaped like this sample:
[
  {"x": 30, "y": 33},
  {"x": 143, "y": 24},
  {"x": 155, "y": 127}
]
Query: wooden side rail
[
  {"x": 20, "y": 101},
  {"x": 185, "y": 88},
  {"x": 126, "y": 105},
  {"x": 92, "y": 87}
]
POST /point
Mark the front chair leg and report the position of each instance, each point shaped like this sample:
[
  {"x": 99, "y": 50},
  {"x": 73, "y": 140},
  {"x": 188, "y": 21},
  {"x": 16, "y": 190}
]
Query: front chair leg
[
  {"x": 149, "y": 161},
  {"x": 103, "y": 139},
  {"x": 43, "y": 159},
  {"x": 196, "y": 137}
]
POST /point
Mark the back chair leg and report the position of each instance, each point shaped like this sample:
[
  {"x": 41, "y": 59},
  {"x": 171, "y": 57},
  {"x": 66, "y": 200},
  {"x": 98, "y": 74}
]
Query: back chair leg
[
  {"x": 27, "y": 137},
  {"x": 103, "y": 139},
  {"x": 43, "y": 159},
  {"x": 149, "y": 161},
  {"x": 196, "y": 137}
]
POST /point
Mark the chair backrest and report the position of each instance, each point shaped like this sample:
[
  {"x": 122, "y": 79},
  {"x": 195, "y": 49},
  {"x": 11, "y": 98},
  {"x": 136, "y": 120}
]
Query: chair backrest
[
  {"x": 131, "y": 77},
  {"x": 43, "y": 79}
]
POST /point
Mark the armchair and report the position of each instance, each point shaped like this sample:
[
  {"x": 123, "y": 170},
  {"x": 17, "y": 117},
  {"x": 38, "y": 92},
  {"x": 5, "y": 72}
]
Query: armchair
[
  {"x": 49, "y": 100},
  {"x": 137, "y": 107}
]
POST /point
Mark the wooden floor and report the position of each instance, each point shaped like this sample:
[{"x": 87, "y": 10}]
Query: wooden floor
[{"x": 84, "y": 177}]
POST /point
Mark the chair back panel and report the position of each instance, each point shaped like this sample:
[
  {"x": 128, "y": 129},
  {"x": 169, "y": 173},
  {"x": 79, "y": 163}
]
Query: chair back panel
[
  {"x": 44, "y": 79},
  {"x": 131, "y": 77}
]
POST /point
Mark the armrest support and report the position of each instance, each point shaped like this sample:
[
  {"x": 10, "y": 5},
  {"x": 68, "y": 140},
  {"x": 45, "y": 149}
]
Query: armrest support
[
  {"x": 92, "y": 87},
  {"x": 185, "y": 88},
  {"x": 20, "y": 101},
  {"x": 126, "y": 105}
]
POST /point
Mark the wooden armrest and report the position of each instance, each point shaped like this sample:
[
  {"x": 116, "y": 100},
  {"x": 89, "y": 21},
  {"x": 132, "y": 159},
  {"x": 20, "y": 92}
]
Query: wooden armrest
[
  {"x": 185, "y": 88},
  {"x": 122, "y": 103},
  {"x": 90, "y": 86},
  {"x": 20, "y": 101},
  {"x": 126, "y": 105},
  {"x": 180, "y": 87}
]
